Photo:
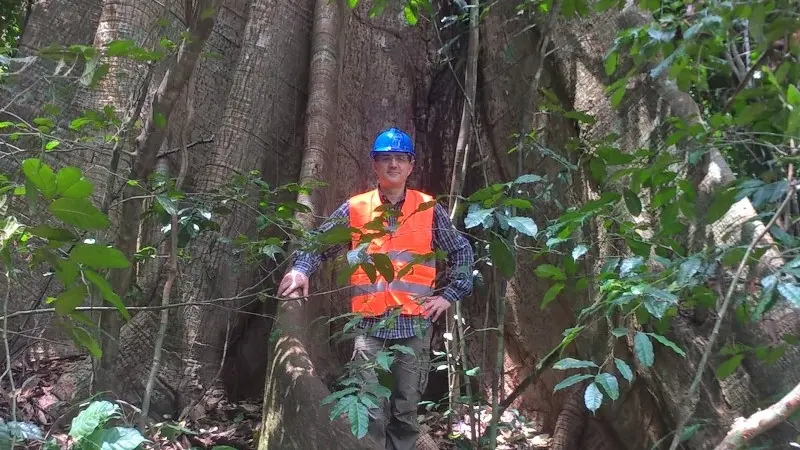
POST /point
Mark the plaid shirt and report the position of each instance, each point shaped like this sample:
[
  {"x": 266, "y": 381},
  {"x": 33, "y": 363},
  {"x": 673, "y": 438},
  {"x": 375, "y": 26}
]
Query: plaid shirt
[{"x": 458, "y": 280}]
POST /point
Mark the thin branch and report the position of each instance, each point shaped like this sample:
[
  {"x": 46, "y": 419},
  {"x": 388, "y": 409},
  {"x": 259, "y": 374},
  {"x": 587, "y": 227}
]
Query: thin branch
[
  {"x": 692, "y": 394},
  {"x": 207, "y": 140},
  {"x": 744, "y": 430},
  {"x": 744, "y": 81},
  {"x": 13, "y": 392}
]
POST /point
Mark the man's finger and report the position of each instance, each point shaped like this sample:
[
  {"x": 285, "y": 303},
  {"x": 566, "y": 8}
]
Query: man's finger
[{"x": 305, "y": 290}]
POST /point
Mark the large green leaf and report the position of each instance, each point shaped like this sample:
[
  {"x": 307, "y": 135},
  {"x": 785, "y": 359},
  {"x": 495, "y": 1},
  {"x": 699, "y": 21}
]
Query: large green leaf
[
  {"x": 552, "y": 293},
  {"x": 107, "y": 291},
  {"x": 643, "y": 348},
  {"x": 70, "y": 299},
  {"x": 569, "y": 381},
  {"x": 384, "y": 360},
  {"x": 99, "y": 256},
  {"x": 84, "y": 339},
  {"x": 40, "y": 175},
  {"x": 115, "y": 438},
  {"x": 51, "y": 233},
  {"x": 550, "y": 271},
  {"x": 609, "y": 384},
  {"x": 359, "y": 419},
  {"x": 71, "y": 184},
  {"x": 339, "y": 394},
  {"x": 80, "y": 213},
  {"x": 524, "y": 225},
  {"x": 94, "y": 416},
  {"x": 384, "y": 266},
  {"x": 502, "y": 257},
  {"x": 592, "y": 397},
  {"x": 624, "y": 369},
  {"x": 727, "y": 368},
  {"x": 668, "y": 343},
  {"x": 791, "y": 291},
  {"x": 478, "y": 216},
  {"x": 572, "y": 363}
]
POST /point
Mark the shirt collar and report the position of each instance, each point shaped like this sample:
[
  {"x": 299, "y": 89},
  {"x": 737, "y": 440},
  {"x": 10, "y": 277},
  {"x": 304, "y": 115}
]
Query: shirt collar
[{"x": 386, "y": 200}]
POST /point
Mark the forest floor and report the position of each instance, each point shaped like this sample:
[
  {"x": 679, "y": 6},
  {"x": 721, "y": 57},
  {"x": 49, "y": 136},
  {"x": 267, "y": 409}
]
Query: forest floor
[{"x": 230, "y": 425}]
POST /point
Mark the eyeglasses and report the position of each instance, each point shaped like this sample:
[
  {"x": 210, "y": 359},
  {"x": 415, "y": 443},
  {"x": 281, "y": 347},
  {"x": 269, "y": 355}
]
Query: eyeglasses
[{"x": 387, "y": 158}]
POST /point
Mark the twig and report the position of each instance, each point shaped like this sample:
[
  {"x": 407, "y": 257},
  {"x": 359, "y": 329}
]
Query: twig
[
  {"x": 172, "y": 269},
  {"x": 207, "y": 140},
  {"x": 456, "y": 187},
  {"x": 692, "y": 394},
  {"x": 744, "y": 81},
  {"x": 13, "y": 392},
  {"x": 744, "y": 430}
]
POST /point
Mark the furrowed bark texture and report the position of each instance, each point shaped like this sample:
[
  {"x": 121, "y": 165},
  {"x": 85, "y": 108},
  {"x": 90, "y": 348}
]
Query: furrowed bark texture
[{"x": 258, "y": 131}]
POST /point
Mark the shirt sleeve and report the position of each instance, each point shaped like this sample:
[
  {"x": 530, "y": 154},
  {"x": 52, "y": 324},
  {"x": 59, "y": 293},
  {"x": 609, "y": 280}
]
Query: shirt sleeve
[
  {"x": 458, "y": 279},
  {"x": 308, "y": 262}
]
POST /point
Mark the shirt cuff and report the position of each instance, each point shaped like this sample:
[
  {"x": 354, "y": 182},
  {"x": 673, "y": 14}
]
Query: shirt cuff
[
  {"x": 302, "y": 267},
  {"x": 450, "y": 295}
]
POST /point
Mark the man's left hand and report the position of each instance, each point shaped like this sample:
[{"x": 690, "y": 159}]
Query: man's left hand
[{"x": 434, "y": 307}]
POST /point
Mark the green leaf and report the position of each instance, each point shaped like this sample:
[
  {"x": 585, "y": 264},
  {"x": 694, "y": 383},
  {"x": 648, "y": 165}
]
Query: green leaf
[
  {"x": 688, "y": 269},
  {"x": 402, "y": 349},
  {"x": 619, "y": 332},
  {"x": 728, "y": 367},
  {"x": 52, "y": 234},
  {"x": 472, "y": 372},
  {"x": 668, "y": 343},
  {"x": 791, "y": 292},
  {"x": 384, "y": 266},
  {"x": 549, "y": 271},
  {"x": 352, "y": 3},
  {"x": 384, "y": 360},
  {"x": 720, "y": 205},
  {"x": 592, "y": 397},
  {"x": 609, "y": 384},
  {"x": 519, "y": 203},
  {"x": 643, "y": 348},
  {"x": 477, "y": 216},
  {"x": 551, "y": 294},
  {"x": 632, "y": 202},
  {"x": 80, "y": 213},
  {"x": 524, "y": 225},
  {"x": 359, "y": 420},
  {"x": 83, "y": 338},
  {"x": 618, "y": 95},
  {"x": 580, "y": 117},
  {"x": 99, "y": 256},
  {"x": 342, "y": 406},
  {"x": 380, "y": 390},
  {"x": 70, "y": 299},
  {"x": 338, "y": 394},
  {"x": 377, "y": 8},
  {"x": 624, "y": 369},
  {"x": 115, "y": 438},
  {"x": 527, "y": 178},
  {"x": 107, "y": 292},
  {"x": 41, "y": 175},
  {"x": 51, "y": 145},
  {"x": 502, "y": 257},
  {"x": 410, "y": 14},
  {"x": 67, "y": 271},
  {"x": 579, "y": 251},
  {"x": 610, "y": 63},
  {"x": 167, "y": 203},
  {"x": 793, "y": 96},
  {"x": 94, "y": 416},
  {"x": 160, "y": 120},
  {"x": 572, "y": 363},
  {"x": 569, "y": 381}
]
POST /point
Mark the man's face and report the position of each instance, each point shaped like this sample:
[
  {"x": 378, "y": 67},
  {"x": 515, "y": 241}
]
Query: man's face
[{"x": 393, "y": 168}]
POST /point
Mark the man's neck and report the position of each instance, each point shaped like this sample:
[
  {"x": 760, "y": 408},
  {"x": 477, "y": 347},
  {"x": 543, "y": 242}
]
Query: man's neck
[{"x": 393, "y": 194}]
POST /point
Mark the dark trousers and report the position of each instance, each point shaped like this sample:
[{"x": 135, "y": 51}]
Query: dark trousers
[{"x": 394, "y": 424}]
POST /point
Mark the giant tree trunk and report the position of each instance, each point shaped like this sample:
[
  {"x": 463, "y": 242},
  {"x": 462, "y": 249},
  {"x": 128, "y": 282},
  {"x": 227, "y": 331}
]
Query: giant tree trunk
[{"x": 268, "y": 102}]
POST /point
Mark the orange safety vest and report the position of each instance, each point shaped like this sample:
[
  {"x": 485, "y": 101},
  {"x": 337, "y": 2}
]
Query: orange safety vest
[{"x": 413, "y": 236}]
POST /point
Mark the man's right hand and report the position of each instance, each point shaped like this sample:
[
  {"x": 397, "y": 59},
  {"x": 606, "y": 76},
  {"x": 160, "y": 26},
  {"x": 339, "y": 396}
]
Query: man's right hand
[{"x": 293, "y": 284}]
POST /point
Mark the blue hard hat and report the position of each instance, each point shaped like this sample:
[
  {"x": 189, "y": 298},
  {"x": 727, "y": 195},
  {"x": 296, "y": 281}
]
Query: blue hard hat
[{"x": 392, "y": 140}]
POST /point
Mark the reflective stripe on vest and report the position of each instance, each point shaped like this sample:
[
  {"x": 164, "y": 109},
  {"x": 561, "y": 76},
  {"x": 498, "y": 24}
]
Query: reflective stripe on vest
[{"x": 412, "y": 238}]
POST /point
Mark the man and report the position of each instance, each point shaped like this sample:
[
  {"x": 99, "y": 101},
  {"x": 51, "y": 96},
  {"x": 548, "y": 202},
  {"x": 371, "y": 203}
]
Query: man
[{"x": 410, "y": 301}]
